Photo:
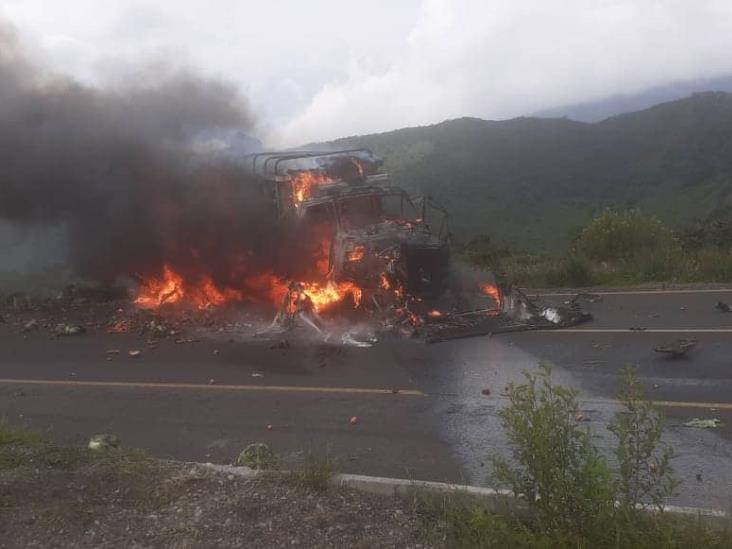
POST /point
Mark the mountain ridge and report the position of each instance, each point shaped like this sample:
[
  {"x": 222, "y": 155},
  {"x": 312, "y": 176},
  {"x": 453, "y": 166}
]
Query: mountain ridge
[{"x": 530, "y": 182}]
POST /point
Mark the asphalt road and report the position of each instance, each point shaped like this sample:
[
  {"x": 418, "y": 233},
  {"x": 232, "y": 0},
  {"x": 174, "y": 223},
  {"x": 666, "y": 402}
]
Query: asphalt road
[{"x": 420, "y": 408}]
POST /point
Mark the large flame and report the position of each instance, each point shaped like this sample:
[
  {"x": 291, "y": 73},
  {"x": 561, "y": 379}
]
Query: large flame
[
  {"x": 170, "y": 288},
  {"x": 303, "y": 183},
  {"x": 323, "y": 296}
]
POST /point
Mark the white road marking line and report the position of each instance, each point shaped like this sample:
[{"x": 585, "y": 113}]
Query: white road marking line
[{"x": 632, "y": 292}]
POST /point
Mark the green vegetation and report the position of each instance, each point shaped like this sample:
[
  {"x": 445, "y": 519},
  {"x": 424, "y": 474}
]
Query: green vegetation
[
  {"x": 528, "y": 182},
  {"x": 615, "y": 248},
  {"x": 314, "y": 473},
  {"x": 571, "y": 495}
]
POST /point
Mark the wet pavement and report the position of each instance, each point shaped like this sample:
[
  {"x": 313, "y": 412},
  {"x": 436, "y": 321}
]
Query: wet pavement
[{"x": 421, "y": 410}]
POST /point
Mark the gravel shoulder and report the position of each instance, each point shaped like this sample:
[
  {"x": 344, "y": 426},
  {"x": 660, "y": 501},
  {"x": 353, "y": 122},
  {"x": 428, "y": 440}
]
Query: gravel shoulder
[{"x": 54, "y": 496}]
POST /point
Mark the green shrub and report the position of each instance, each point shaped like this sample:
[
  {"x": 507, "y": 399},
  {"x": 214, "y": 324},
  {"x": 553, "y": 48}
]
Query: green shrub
[
  {"x": 714, "y": 265},
  {"x": 622, "y": 235},
  {"x": 664, "y": 263},
  {"x": 644, "y": 474},
  {"x": 561, "y": 475},
  {"x": 573, "y": 271},
  {"x": 558, "y": 470}
]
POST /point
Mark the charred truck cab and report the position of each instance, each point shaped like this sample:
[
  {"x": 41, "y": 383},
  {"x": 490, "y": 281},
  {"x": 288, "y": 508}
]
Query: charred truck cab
[{"x": 350, "y": 223}]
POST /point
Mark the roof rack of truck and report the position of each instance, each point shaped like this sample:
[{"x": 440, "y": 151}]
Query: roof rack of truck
[{"x": 267, "y": 164}]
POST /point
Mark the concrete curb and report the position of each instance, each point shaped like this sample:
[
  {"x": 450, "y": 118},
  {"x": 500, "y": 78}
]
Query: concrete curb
[{"x": 384, "y": 486}]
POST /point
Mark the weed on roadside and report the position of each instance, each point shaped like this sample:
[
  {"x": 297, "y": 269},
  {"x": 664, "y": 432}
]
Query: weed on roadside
[{"x": 314, "y": 473}]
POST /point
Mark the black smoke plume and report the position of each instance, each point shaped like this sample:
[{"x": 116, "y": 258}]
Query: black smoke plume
[{"x": 118, "y": 168}]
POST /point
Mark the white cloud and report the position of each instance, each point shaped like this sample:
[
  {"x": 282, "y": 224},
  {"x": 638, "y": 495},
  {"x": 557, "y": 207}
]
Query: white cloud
[
  {"x": 328, "y": 68},
  {"x": 498, "y": 59}
]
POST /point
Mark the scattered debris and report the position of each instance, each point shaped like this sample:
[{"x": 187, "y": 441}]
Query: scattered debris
[
  {"x": 591, "y": 298},
  {"x": 269, "y": 426},
  {"x": 158, "y": 329},
  {"x": 354, "y": 420},
  {"x": 255, "y": 374},
  {"x": 69, "y": 330},
  {"x": 281, "y": 344},
  {"x": 698, "y": 477},
  {"x": 257, "y": 456},
  {"x": 349, "y": 339},
  {"x": 19, "y": 301},
  {"x": 677, "y": 348},
  {"x": 638, "y": 328},
  {"x": 703, "y": 423},
  {"x": 485, "y": 392},
  {"x": 104, "y": 442},
  {"x": 579, "y": 416},
  {"x": 215, "y": 352},
  {"x": 183, "y": 341},
  {"x": 211, "y": 381},
  {"x": 120, "y": 327},
  {"x": 30, "y": 325},
  {"x": 134, "y": 353},
  {"x": 723, "y": 307}
]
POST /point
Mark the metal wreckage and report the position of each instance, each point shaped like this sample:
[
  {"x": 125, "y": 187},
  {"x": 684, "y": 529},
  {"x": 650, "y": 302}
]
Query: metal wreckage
[{"x": 388, "y": 253}]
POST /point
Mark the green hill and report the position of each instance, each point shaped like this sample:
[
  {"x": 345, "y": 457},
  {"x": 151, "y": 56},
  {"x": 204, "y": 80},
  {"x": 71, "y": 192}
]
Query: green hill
[{"x": 530, "y": 182}]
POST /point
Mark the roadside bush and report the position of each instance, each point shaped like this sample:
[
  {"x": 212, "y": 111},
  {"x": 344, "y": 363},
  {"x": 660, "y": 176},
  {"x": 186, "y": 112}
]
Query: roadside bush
[
  {"x": 667, "y": 263},
  {"x": 484, "y": 253},
  {"x": 561, "y": 475},
  {"x": 644, "y": 475},
  {"x": 558, "y": 470},
  {"x": 573, "y": 271},
  {"x": 622, "y": 235},
  {"x": 615, "y": 248},
  {"x": 714, "y": 265}
]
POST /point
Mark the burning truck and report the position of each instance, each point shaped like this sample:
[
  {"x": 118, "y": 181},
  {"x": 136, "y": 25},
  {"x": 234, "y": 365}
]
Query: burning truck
[
  {"x": 352, "y": 228},
  {"x": 362, "y": 240},
  {"x": 342, "y": 240}
]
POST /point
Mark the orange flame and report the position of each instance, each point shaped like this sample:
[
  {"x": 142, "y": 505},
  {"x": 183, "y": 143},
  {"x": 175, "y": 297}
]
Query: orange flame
[
  {"x": 434, "y": 313},
  {"x": 303, "y": 183},
  {"x": 158, "y": 291},
  {"x": 333, "y": 292},
  {"x": 492, "y": 291},
  {"x": 322, "y": 295},
  {"x": 171, "y": 288},
  {"x": 357, "y": 253},
  {"x": 384, "y": 282}
]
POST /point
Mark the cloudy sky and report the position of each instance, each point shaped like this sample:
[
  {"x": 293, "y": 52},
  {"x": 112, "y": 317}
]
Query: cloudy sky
[{"x": 319, "y": 69}]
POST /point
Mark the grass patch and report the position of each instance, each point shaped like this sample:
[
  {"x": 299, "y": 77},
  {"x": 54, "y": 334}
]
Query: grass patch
[
  {"x": 461, "y": 521},
  {"x": 21, "y": 436},
  {"x": 16, "y": 445},
  {"x": 314, "y": 474}
]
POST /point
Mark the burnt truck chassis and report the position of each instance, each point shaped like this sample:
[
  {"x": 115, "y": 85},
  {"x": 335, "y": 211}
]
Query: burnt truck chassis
[
  {"x": 386, "y": 253},
  {"x": 374, "y": 227}
]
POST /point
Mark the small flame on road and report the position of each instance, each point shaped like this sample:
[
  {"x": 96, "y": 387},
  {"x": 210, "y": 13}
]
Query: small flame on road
[{"x": 492, "y": 291}]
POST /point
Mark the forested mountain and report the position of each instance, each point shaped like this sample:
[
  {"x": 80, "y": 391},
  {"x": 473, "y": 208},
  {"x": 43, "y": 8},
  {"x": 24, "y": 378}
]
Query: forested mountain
[{"x": 529, "y": 182}]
